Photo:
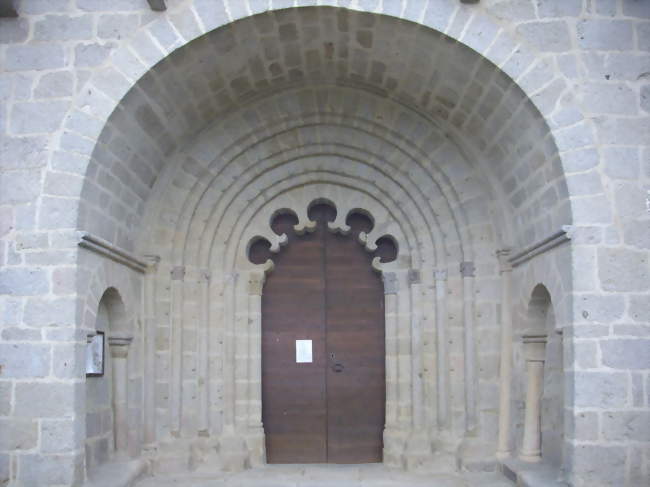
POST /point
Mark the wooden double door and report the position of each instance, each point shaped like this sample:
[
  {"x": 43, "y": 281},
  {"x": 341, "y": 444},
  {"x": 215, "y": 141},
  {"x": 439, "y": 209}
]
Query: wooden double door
[{"x": 330, "y": 407}]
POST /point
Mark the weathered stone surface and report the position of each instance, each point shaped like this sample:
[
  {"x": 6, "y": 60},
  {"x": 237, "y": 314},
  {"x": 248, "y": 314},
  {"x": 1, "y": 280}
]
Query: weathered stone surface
[
  {"x": 626, "y": 426},
  {"x": 547, "y": 36},
  {"x": 46, "y": 312},
  {"x": 117, "y": 26},
  {"x": 600, "y": 389},
  {"x": 623, "y": 270},
  {"x": 55, "y": 85},
  {"x": 33, "y": 117},
  {"x": 89, "y": 55},
  {"x": 18, "y": 434},
  {"x": 568, "y": 8},
  {"x": 610, "y": 98},
  {"x": 6, "y": 388},
  {"x": 63, "y": 399},
  {"x": 596, "y": 464},
  {"x": 39, "y": 56},
  {"x": 605, "y": 34},
  {"x": 60, "y": 435},
  {"x": 37, "y": 469},
  {"x": 23, "y": 281},
  {"x": 626, "y": 354},
  {"x": 20, "y": 186},
  {"x": 21, "y": 360},
  {"x": 13, "y": 30},
  {"x": 63, "y": 28}
]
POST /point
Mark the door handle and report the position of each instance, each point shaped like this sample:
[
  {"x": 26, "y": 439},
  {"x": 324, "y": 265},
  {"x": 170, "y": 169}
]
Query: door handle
[{"x": 337, "y": 368}]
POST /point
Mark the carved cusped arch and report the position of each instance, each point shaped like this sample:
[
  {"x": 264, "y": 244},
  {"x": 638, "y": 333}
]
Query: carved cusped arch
[{"x": 383, "y": 246}]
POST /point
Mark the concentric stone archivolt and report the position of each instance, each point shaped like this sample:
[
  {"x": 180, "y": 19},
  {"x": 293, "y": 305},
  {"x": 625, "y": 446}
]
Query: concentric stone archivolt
[{"x": 199, "y": 191}]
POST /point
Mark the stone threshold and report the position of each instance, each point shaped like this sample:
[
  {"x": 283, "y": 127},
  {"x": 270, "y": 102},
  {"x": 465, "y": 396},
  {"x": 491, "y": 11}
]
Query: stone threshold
[{"x": 526, "y": 474}]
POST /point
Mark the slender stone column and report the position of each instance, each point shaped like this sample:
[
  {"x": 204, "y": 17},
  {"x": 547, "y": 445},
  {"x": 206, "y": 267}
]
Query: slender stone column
[
  {"x": 391, "y": 287},
  {"x": 203, "y": 352},
  {"x": 467, "y": 271},
  {"x": 176, "y": 350},
  {"x": 441, "y": 340},
  {"x": 149, "y": 299},
  {"x": 393, "y": 433},
  {"x": 534, "y": 350},
  {"x": 119, "y": 349},
  {"x": 404, "y": 355},
  {"x": 417, "y": 388},
  {"x": 505, "y": 379},
  {"x": 254, "y": 400}
]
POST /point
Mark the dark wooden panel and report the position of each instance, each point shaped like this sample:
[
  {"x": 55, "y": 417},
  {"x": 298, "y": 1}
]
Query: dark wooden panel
[
  {"x": 323, "y": 289},
  {"x": 293, "y": 395},
  {"x": 355, "y": 339}
]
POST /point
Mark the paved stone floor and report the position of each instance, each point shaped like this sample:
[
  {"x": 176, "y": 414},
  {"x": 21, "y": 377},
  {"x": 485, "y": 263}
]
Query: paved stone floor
[{"x": 325, "y": 476}]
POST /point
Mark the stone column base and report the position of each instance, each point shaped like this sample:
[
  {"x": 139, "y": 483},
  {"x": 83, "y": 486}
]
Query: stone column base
[
  {"x": 256, "y": 444},
  {"x": 394, "y": 444}
]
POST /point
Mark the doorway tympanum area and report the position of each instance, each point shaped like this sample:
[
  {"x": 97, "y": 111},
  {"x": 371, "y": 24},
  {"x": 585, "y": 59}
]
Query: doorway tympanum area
[{"x": 323, "y": 289}]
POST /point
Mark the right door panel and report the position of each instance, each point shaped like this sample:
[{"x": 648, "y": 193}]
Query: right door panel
[{"x": 354, "y": 317}]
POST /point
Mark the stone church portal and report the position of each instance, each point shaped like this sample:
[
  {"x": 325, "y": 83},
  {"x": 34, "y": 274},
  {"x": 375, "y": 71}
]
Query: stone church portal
[{"x": 410, "y": 236}]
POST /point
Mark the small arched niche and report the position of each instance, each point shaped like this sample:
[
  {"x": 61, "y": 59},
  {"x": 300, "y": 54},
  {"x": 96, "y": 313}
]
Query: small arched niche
[
  {"x": 543, "y": 436},
  {"x": 106, "y": 393}
]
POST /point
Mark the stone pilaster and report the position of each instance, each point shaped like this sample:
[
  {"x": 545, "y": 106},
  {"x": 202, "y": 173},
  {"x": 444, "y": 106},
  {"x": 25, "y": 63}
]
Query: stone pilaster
[
  {"x": 534, "y": 351},
  {"x": 119, "y": 350}
]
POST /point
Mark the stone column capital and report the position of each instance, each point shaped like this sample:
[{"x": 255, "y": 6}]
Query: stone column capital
[
  {"x": 534, "y": 348},
  {"x": 119, "y": 346},
  {"x": 391, "y": 284},
  {"x": 467, "y": 269},
  {"x": 256, "y": 283}
]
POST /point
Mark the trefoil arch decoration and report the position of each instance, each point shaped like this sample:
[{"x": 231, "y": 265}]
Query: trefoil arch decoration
[{"x": 357, "y": 221}]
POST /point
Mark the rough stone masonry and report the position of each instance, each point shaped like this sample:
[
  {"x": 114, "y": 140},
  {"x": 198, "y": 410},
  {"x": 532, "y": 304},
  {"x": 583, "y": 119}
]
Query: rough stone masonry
[{"x": 503, "y": 145}]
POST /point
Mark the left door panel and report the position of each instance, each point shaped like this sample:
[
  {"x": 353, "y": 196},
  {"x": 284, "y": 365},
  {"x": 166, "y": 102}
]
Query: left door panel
[{"x": 293, "y": 394}]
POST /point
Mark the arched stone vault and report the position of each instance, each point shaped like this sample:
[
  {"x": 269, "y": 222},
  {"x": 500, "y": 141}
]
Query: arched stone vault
[
  {"x": 494, "y": 121},
  {"x": 366, "y": 111}
]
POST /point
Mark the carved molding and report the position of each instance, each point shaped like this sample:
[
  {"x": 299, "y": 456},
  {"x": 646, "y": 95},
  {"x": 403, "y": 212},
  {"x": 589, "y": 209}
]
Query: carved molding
[
  {"x": 504, "y": 260},
  {"x": 110, "y": 251},
  {"x": 544, "y": 245},
  {"x": 467, "y": 269},
  {"x": 367, "y": 239}
]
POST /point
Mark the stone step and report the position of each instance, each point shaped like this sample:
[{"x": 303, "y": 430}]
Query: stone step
[{"x": 117, "y": 474}]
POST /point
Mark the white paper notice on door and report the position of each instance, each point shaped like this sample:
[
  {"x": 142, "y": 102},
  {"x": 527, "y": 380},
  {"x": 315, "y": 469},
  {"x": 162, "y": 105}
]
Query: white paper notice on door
[{"x": 303, "y": 352}]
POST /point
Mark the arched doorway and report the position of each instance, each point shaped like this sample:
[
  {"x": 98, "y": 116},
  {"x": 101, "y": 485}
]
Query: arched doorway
[
  {"x": 362, "y": 113},
  {"x": 323, "y": 350}
]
